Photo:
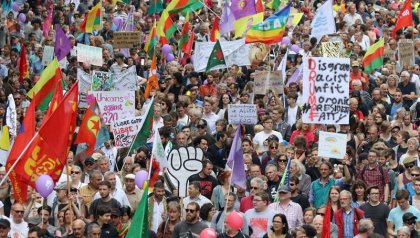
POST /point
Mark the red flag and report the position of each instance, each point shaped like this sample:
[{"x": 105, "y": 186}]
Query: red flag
[
  {"x": 26, "y": 132},
  {"x": 23, "y": 64},
  {"x": 152, "y": 81},
  {"x": 56, "y": 99},
  {"x": 215, "y": 31},
  {"x": 259, "y": 6},
  {"x": 327, "y": 221},
  {"x": 89, "y": 128},
  {"x": 47, "y": 153},
  {"x": 189, "y": 46},
  {"x": 405, "y": 18}
]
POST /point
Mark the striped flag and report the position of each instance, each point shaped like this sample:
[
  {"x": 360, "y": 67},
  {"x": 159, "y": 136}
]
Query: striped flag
[
  {"x": 374, "y": 57},
  {"x": 93, "y": 19}
]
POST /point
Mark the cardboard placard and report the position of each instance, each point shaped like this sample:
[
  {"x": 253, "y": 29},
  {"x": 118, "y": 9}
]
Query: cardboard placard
[
  {"x": 126, "y": 39},
  {"x": 406, "y": 52},
  {"x": 268, "y": 80},
  {"x": 125, "y": 131}
]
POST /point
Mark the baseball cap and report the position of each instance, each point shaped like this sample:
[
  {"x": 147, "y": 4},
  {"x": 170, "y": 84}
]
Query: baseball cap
[
  {"x": 89, "y": 160},
  {"x": 284, "y": 189},
  {"x": 130, "y": 176},
  {"x": 273, "y": 137},
  {"x": 408, "y": 216},
  {"x": 116, "y": 212},
  {"x": 96, "y": 156},
  {"x": 4, "y": 223}
]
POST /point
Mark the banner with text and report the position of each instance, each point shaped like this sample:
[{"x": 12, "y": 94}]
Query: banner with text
[
  {"x": 235, "y": 52},
  {"x": 89, "y": 54},
  {"x": 242, "y": 114},
  {"x": 264, "y": 81},
  {"x": 126, "y": 80},
  {"x": 326, "y": 90},
  {"x": 115, "y": 105},
  {"x": 47, "y": 55},
  {"x": 126, "y": 39},
  {"x": 125, "y": 131}
]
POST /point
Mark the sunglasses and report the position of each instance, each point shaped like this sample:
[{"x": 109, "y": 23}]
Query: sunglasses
[
  {"x": 190, "y": 210},
  {"x": 75, "y": 172},
  {"x": 88, "y": 163},
  {"x": 320, "y": 213},
  {"x": 201, "y": 126},
  {"x": 415, "y": 175},
  {"x": 274, "y": 147},
  {"x": 409, "y": 166},
  {"x": 282, "y": 160},
  {"x": 411, "y": 222},
  {"x": 254, "y": 188}
]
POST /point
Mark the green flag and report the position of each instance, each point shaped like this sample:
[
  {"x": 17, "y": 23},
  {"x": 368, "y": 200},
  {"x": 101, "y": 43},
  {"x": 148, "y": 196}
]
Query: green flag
[
  {"x": 216, "y": 57},
  {"x": 155, "y": 6},
  {"x": 145, "y": 128},
  {"x": 139, "y": 227}
]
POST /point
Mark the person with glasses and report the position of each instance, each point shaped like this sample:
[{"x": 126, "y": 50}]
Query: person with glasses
[
  {"x": 76, "y": 173},
  {"x": 260, "y": 217},
  {"x": 376, "y": 210},
  {"x": 257, "y": 185},
  {"x": 409, "y": 221},
  {"x": 191, "y": 226},
  {"x": 290, "y": 209},
  {"x": 262, "y": 136},
  {"x": 89, "y": 166},
  {"x": 405, "y": 178},
  {"x": 394, "y": 220},
  {"x": 18, "y": 227},
  {"x": 346, "y": 217},
  {"x": 280, "y": 228}
]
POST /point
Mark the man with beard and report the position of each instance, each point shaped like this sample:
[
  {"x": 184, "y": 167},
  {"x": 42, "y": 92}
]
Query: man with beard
[
  {"x": 191, "y": 227},
  {"x": 397, "y": 103}
]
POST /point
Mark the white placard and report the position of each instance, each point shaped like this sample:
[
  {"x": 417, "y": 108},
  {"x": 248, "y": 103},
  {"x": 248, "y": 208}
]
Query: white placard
[
  {"x": 48, "y": 55},
  {"x": 242, "y": 114},
  {"x": 115, "y": 105},
  {"x": 125, "y": 131},
  {"x": 332, "y": 145},
  {"x": 89, "y": 54}
]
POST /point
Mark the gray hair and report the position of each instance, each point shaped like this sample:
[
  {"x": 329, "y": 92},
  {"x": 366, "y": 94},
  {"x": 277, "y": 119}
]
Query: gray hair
[
  {"x": 92, "y": 226},
  {"x": 258, "y": 181},
  {"x": 364, "y": 225},
  {"x": 345, "y": 192},
  {"x": 405, "y": 230}
]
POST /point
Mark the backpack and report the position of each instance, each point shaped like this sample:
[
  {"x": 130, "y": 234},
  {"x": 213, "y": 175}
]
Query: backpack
[{"x": 362, "y": 173}]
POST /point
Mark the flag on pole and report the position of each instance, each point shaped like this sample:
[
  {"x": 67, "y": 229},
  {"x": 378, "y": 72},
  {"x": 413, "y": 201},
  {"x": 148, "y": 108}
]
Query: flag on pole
[
  {"x": 165, "y": 28},
  {"x": 62, "y": 45},
  {"x": 158, "y": 151},
  {"x": 46, "y": 24},
  {"x": 405, "y": 18},
  {"x": 93, "y": 19},
  {"x": 326, "y": 229},
  {"x": 286, "y": 175},
  {"x": 216, "y": 57},
  {"x": 323, "y": 22},
  {"x": 215, "y": 31},
  {"x": 139, "y": 227},
  {"x": 155, "y": 6},
  {"x": 145, "y": 128},
  {"x": 226, "y": 20},
  {"x": 185, "y": 6},
  {"x": 152, "y": 81},
  {"x": 185, "y": 35},
  {"x": 23, "y": 64},
  {"x": 236, "y": 160},
  {"x": 374, "y": 56},
  {"x": 152, "y": 41},
  {"x": 89, "y": 128},
  {"x": 242, "y": 8},
  {"x": 56, "y": 99}
]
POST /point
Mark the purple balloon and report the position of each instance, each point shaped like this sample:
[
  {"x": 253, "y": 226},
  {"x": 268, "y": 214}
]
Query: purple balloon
[
  {"x": 166, "y": 49},
  {"x": 15, "y": 7},
  {"x": 22, "y": 17},
  {"x": 170, "y": 57},
  {"x": 44, "y": 185},
  {"x": 295, "y": 48},
  {"x": 285, "y": 40},
  {"x": 140, "y": 178}
]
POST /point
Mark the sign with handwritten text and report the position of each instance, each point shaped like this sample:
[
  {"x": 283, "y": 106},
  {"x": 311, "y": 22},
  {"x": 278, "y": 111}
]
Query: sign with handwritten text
[
  {"x": 406, "y": 52},
  {"x": 326, "y": 90},
  {"x": 89, "y": 54},
  {"x": 264, "y": 81},
  {"x": 332, "y": 145},
  {"x": 126, "y": 39},
  {"x": 115, "y": 105},
  {"x": 242, "y": 114},
  {"x": 101, "y": 81},
  {"x": 125, "y": 131}
]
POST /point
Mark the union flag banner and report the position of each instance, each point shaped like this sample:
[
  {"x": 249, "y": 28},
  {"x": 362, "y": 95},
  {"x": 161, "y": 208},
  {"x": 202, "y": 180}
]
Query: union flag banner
[{"x": 47, "y": 153}]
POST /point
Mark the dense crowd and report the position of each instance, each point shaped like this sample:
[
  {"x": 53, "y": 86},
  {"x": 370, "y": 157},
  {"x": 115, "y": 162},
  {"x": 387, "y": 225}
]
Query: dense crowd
[{"x": 371, "y": 192}]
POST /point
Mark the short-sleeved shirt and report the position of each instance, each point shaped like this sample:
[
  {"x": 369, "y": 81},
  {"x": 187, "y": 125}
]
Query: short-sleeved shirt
[
  {"x": 374, "y": 177},
  {"x": 396, "y": 214},
  {"x": 319, "y": 192}
]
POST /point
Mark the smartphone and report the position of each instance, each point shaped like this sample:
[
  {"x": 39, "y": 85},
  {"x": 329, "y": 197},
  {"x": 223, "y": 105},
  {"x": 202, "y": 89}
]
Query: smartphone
[{"x": 142, "y": 62}]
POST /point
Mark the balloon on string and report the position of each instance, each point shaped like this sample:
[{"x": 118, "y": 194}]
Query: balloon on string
[
  {"x": 22, "y": 17},
  {"x": 235, "y": 220},
  {"x": 285, "y": 40},
  {"x": 166, "y": 49},
  {"x": 44, "y": 185},
  {"x": 141, "y": 177},
  {"x": 15, "y": 7},
  {"x": 170, "y": 57},
  {"x": 295, "y": 48},
  {"x": 208, "y": 233}
]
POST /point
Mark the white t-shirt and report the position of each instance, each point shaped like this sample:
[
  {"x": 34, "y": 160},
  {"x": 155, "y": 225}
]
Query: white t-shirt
[
  {"x": 18, "y": 230},
  {"x": 291, "y": 115},
  {"x": 261, "y": 136}
]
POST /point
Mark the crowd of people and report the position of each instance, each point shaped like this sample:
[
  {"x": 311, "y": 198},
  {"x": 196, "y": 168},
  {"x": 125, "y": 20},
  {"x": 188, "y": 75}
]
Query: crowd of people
[{"x": 369, "y": 193}]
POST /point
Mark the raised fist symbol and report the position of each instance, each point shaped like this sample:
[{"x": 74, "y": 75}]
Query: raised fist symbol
[{"x": 182, "y": 163}]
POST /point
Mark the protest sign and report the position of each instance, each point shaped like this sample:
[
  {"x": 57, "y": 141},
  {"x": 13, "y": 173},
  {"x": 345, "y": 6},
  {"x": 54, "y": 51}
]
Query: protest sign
[
  {"x": 323, "y": 22},
  {"x": 47, "y": 55},
  {"x": 235, "y": 52},
  {"x": 126, "y": 80},
  {"x": 242, "y": 114},
  {"x": 101, "y": 81},
  {"x": 126, "y": 39},
  {"x": 406, "y": 52},
  {"x": 85, "y": 82},
  {"x": 125, "y": 131},
  {"x": 264, "y": 81},
  {"x": 326, "y": 90},
  {"x": 332, "y": 145},
  {"x": 183, "y": 162},
  {"x": 115, "y": 105},
  {"x": 331, "y": 49},
  {"x": 89, "y": 54}
]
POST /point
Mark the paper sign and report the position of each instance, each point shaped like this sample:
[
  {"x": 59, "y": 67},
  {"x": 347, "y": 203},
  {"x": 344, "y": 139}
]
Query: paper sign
[
  {"x": 126, "y": 39},
  {"x": 115, "y": 105},
  {"x": 268, "y": 80},
  {"x": 235, "y": 52},
  {"x": 406, "y": 52},
  {"x": 125, "y": 131},
  {"x": 89, "y": 54},
  {"x": 326, "y": 90},
  {"x": 47, "y": 55},
  {"x": 101, "y": 81},
  {"x": 242, "y": 114},
  {"x": 332, "y": 145},
  {"x": 331, "y": 49},
  {"x": 126, "y": 80}
]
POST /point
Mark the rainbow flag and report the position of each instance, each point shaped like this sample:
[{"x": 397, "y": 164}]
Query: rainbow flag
[
  {"x": 152, "y": 41},
  {"x": 374, "y": 57},
  {"x": 271, "y": 30},
  {"x": 93, "y": 20}
]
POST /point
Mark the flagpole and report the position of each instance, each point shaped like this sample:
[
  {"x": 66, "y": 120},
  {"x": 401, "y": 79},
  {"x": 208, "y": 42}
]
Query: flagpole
[
  {"x": 209, "y": 9},
  {"x": 18, "y": 159}
]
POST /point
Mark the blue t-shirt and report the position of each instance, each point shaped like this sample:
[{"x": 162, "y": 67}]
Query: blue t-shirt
[{"x": 396, "y": 214}]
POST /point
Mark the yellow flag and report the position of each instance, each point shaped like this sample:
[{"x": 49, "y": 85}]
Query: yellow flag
[
  {"x": 245, "y": 23},
  {"x": 5, "y": 138}
]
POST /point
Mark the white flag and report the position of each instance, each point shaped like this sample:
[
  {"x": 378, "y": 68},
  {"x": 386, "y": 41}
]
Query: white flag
[
  {"x": 323, "y": 22},
  {"x": 157, "y": 151}
]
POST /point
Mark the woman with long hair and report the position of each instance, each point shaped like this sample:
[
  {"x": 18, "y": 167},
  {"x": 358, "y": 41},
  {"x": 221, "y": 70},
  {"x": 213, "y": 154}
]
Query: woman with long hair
[
  {"x": 298, "y": 169},
  {"x": 166, "y": 228},
  {"x": 358, "y": 192},
  {"x": 279, "y": 229},
  {"x": 333, "y": 198}
]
